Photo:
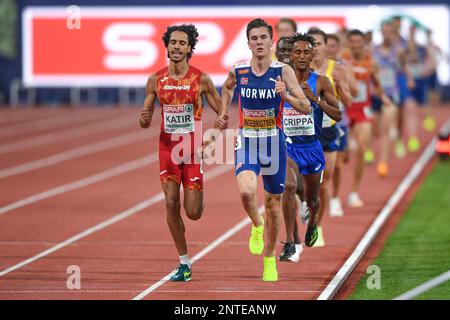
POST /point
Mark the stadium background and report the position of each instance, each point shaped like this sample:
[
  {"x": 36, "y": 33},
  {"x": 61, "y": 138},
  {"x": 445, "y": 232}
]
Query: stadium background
[{"x": 11, "y": 51}]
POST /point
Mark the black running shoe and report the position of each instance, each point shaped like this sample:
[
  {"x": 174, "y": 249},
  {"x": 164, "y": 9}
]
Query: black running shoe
[
  {"x": 288, "y": 252},
  {"x": 311, "y": 235}
]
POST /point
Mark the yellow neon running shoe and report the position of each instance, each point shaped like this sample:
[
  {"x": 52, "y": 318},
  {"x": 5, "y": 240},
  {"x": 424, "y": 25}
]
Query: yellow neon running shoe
[
  {"x": 400, "y": 150},
  {"x": 413, "y": 144},
  {"x": 270, "y": 269},
  {"x": 256, "y": 241},
  {"x": 369, "y": 156},
  {"x": 429, "y": 123}
]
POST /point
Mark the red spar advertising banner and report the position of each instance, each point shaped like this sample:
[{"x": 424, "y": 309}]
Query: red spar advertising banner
[{"x": 122, "y": 46}]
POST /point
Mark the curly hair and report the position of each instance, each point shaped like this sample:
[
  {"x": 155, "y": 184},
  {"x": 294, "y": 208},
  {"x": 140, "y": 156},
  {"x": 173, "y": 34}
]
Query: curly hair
[
  {"x": 302, "y": 37},
  {"x": 191, "y": 32}
]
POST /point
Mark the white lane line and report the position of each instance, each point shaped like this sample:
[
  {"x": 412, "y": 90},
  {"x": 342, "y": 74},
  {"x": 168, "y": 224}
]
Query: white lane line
[
  {"x": 123, "y": 168},
  {"x": 160, "y": 291},
  {"x": 85, "y": 130},
  {"x": 201, "y": 254},
  {"x": 240, "y": 291},
  {"x": 69, "y": 118},
  {"x": 411, "y": 294},
  {"x": 120, "y": 216},
  {"x": 81, "y": 151},
  {"x": 384, "y": 214}
]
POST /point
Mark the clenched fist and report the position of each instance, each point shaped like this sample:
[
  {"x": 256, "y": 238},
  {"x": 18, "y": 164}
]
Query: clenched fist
[
  {"x": 308, "y": 93},
  {"x": 280, "y": 87},
  {"x": 145, "y": 118}
]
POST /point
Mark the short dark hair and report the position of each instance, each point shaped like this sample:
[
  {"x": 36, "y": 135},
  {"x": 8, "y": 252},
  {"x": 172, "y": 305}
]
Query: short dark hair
[
  {"x": 288, "y": 39},
  {"x": 303, "y": 37},
  {"x": 334, "y": 37},
  {"x": 259, "y": 23},
  {"x": 316, "y": 31},
  {"x": 356, "y": 32},
  {"x": 287, "y": 20},
  {"x": 191, "y": 32}
]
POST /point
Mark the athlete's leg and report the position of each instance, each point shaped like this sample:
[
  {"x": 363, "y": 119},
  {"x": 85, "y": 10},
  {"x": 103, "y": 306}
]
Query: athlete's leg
[
  {"x": 388, "y": 135},
  {"x": 337, "y": 173},
  {"x": 192, "y": 179},
  {"x": 312, "y": 187},
  {"x": 289, "y": 201},
  {"x": 247, "y": 182},
  {"x": 193, "y": 204},
  {"x": 272, "y": 204},
  {"x": 411, "y": 112},
  {"x": 175, "y": 222},
  {"x": 362, "y": 135},
  {"x": 330, "y": 159}
]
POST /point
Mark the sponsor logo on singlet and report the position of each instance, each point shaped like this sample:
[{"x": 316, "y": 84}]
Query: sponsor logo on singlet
[{"x": 170, "y": 87}]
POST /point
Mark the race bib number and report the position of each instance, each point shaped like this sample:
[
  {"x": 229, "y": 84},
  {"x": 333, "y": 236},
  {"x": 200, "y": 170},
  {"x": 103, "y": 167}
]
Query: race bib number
[
  {"x": 326, "y": 121},
  {"x": 388, "y": 78},
  {"x": 178, "y": 118},
  {"x": 362, "y": 92},
  {"x": 297, "y": 124},
  {"x": 259, "y": 123}
]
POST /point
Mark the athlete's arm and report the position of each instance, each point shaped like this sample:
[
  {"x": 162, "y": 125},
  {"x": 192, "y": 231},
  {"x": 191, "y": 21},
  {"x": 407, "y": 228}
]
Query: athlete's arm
[
  {"x": 343, "y": 87},
  {"x": 228, "y": 91},
  {"x": 404, "y": 67},
  {"x": 210, "y": 93},
  {"x": 375, "y": 75},
  {"x": 329, "y": 104},
  {"x": 298, "y": 99},
  {"x": 353, "y": 84},
  {"x": 145, "y": 116}
]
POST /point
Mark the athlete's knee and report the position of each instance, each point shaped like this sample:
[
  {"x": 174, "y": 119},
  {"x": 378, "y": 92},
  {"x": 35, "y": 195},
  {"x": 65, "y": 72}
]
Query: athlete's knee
[
  {"x": 173, "y": 206},
  {"x": 290, "y": 187},
  {"x": 194, "y": 213},
  {"x": 272, "y": 203}
]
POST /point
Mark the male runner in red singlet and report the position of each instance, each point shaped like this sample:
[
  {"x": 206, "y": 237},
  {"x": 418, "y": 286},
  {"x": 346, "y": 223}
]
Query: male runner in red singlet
[
  {"x": 180, "y": 89},
  {"x": 365, "y": 70}
]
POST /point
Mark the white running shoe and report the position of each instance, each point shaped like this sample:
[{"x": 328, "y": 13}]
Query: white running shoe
[
  {"x": 336, "y": 208},
  {"x": 354, "y": 201},
  {"x": 304, "y": 212},
  {"x": 298, "y": 252}
]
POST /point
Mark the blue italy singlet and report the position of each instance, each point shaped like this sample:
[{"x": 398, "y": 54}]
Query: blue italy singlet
[{"x": 303, "y": 128}]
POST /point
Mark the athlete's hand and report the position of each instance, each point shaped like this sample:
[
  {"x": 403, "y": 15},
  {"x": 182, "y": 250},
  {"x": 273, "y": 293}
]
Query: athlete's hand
[
  {"x": 280, "y": 88},
  {"x": 222, "y": 122},
  {"x": 145, "y": 117},
  {"x": 308, "y": 92},
  {"x": 205, "y": 151},
  {"x": 337, "y": 77}
]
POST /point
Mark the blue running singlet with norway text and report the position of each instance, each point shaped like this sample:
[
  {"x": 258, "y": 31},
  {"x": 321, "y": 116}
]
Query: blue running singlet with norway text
[{"x": 261, "y": 145}]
